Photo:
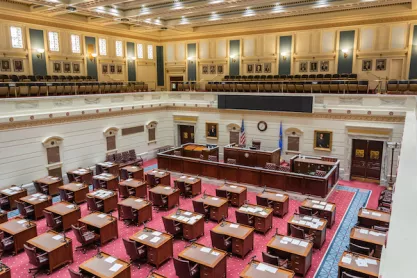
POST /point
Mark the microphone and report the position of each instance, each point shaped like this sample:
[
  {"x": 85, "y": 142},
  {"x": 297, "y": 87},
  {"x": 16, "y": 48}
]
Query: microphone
[
  {"x": 63, "y": 236},
  {"x": 99, "y": 255},
  {"x": 223, "y": 219},
  {"x": 178, "y": 212},
  {"x": 276, "y": 231},
  {"x": 225, "y": 182},
  {"x": 251, "y": 259},
  {"x": 263, "y": 191},
  {"x": 1, "y": 266},
  {"x": 204, "y": 194},
  {"x": 150, "y": 274},
  {"x": 28, "y": 224},
  {"x": 145, "y": 229}
]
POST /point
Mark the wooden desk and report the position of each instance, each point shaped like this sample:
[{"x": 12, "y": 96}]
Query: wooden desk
[
  {"x": 161, "y": 177},
  {"x": 368, "y": 238},
  {"x": 324, "y": 210},
  {"x": 134, "y": 172},
  {"x": 102, "y": 224},
  {"x": 52, "y": 182},
  {"x": 138, "y": 185},
  {"x": 159, "y": 245},
  {"x": 172, "y": 194},
  {"x": 111, "y": 181},
  {"x": 70, "y": 213},
  {"x": 21, "y": 231},
  {"x": 237, "y": 195},
  {"x": 5, "y": 272},
  {"x": 257, "y": 269},
  {"x": 309, "y": 165},
  {"x": 371, "y": 217},
  {"x": 348, "y": 263},
  {"x": 85, "y": 175},
  {"x": 14, "y": 193},
  {"x": 60, "y": 251},
  {"x": 39, "y": 202},
  {"x": 212, "y": 262},
  {"x": 310, "y": 225},
  {"x": 109, "y": 167},
  {"x": 278, "y": 201},
  {"x": 193, "y": 182},
  {"x": 196, "y": 151},
  {"x": 192, "y": 223},
  {"x": 144, "y": 208},
  {"x": 101, "y": 268},
  {"x": 79, "y": 191},
  {"x": 299, "y": 256},
  {"x": 108, "y": 197},
  {"x": 262, "y": 216},
  {"x": 242, "y": 236},
  {"x": 252, "y": 158},
  {"x": 218, "y": 207}
]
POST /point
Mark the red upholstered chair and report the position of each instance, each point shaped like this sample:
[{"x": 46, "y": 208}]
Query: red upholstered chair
[
  {"x": 185, "y": 189},
  {"x": 243, "y": 218},
  {"x": 55, "y": 223},
  {"x": 171, "y": 227},
  {"x": 274, "y": 260},
  {"x": 6, "y": 243},
  {"x": 25, "y": 211},
  {"x": 75, "y": 274},
  {"x": 129, "y": 215},
  {"x": 231, "y": 161},
  {"x": 40, "y": 261},
  {"x": 66, "y": 196},
  {"x": 135, "y": 253},
  {"x": 94, "y": 205},
  {"x": 270, "y": 166},
  {"x": 199, "y": 207},
  {"x": 125, "y": 192},
  {"x": 85, "y": 237},
  {"x": 212, "y": 158},
  {"x": 41, "y": 188},
  {"x": 299, "y": 233},
  {"x": 220, "y": 242},
  {"x": 183, "y": 269}
]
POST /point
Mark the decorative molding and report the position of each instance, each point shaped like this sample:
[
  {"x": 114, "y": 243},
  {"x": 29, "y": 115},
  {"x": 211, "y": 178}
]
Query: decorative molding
[
  {"x": 369, "y": 130},
  {"x": 293, "y": 131},
  {"x": 392, "y": 102},
  {"x": 351, "y": 100},
  {"x": 52, "y": 141},
  {"x": 30, "y": 104},
  {"x": 233, "y": 127},
  {"x": 54, "y": 166},
  {"x": 196, "y": 97},
  {"x": 185, "y": 118},
  {"x": 138, "y": 97},
  {"x": 62, "y": 102},
  {"x": 319, "y": 100},
  {"x": 95, "y": 100},
  {"x": 156, "y": 97},
  {"x": 111, "y": 131},
  {"x": 151, "y": 124},
  {"x": 117, "y": 99},
  {"x": 174, "y": 96}
]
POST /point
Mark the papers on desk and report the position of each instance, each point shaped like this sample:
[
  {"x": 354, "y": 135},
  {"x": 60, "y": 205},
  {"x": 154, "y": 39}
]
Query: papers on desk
[
  {"x": 323, "y": 203},
  {"x": 110, "y": 259},
  {"x": 361, "y": 262},
  {"x": 36, "y": 195},
  {"x": 263, "y": 213},
  {"x": 102, "y": 215},
  {"x": 365, "y": 212},
  {"x": 214, "y": 198},
  {"x": 142, "y": 237},
  {"x": 174, "y": 216},
  {"x": 115, "y": 267},
  {"x": 129, "y": 179},
  {"x": 308, "y": 218},
  {"x": 21, "y": 221},
  {"x": 155, "y": 239},
  {"x": 234, "y": 226},
  {"x": 287, "y": 239},
  {"x": 283, "y": 241},
  {"x": 156, "y": 233},
  {"x": 70, "y": 206},
  {"x": 215, "y": 253},
  {"x": 188, "y": 213},
  {"x": 197, "y": 217},
  {"x": 243, "y": 209},
  {"x": 57, "y": 237},
  {"x": 138, "y": 200},
  {"x": 233, "y": 186},
  {"x": 279, "y": 195},
  {"x": 264, "y": 267},
  {"x": 320, "y": 223},
  {"x": 371, "y": 261},
  {"x": 167, "y": 187},
  {"x": 315, "y": 202},
  {"x": 376, "y": 234},
  {"x": 376, "y": 214},
  {"x": 363, "y": 231},
  {"x": 32, "y": 199},
  {"x": 205, "y": 249},
  {"x": 294, "y": 221},
  {"x": 15, "y": 188},
  {"x": 295, "y": 241},
  {"x": 318, "y": 206},
  {"x": 154, "y": 171},
  {"x": 192, "y": 221},
  {"x": 328, "y": 207},
  {"x": 302, "y": 222},
  {"x": 346, "y": 260},
  {"x": 191, "y": 179},
  {"x": 182, "y": 177},
  {"x": 161, "y": 173},
  {"x": 303, "y": 243},
  {"x": 55, "y": 178}
]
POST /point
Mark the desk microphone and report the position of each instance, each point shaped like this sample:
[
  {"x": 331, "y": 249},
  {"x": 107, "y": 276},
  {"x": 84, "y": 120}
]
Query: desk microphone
[
  {"x": 251, "y": 259},
  {"x": 276, "y": 231},
  {"x": 99, "y": 255},
  {"x": 204, "y": 194},
  {"x": 263, "y": 191},
  {"x": 223, "y": 219},
  {"x": 63, "y": 236},
  {"x": 150, "y": 274},
  {"x": 145, "y": 229}
]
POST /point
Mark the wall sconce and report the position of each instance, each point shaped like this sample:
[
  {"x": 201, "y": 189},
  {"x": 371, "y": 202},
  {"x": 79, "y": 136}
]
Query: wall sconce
[
  {"x": 92, "y": 56},
  {"x": 233, "y": 57},
  {"x": 345, "y": 53},
  {"x": 284, "y": 55},
  {"x": 40, "y": 53},
  {"x": 190, "y": 60},
  {"x": 132, "y": 59}
]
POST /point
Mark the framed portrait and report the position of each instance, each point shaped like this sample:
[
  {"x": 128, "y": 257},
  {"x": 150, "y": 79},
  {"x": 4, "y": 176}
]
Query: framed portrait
[
  {"x": 57, "y": 67},
  {"x": 112, "y": 69},
  {"x": 381, "y": 64},
  {"x": 212, "y": 69},
  {"x": 366, "y": 65},
  {"x": 205, "y": 69},
  {"x": 313, "y": 67},
  {"x": 249, "y": 68},
  {"x": 104, "y": 69},
  {"x": 303, "y": 67},
  {"x": 212, "y": 130},
  {"x": 76, "y": 67},
  {"x": 67, "y": 67},
  {"x": 267, "y": 67},
  {"x": 219, "y": 69},
  {"x": 18, "y": 65},
  {"x": 324, "y": 66},
  {"x": 5, "y": 65},
  {"x": 323, "y": 140},
  {"x": 119, "y": 69},
  {"x": 258, "y": 68}
]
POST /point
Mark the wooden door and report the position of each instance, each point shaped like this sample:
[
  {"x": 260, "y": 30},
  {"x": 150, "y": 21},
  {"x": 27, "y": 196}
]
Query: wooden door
[
  {"x": 366, "y": 159},
  {"x": 186, "y": 134}
]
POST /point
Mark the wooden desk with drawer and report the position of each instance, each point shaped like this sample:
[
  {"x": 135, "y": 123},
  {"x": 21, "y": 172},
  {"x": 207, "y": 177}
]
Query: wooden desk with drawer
[
  {"x": 138, "y": 185},
  {"x": 5, "y": 271},
  {"x": 14, "y": 193},
  {"x": 242, "y": 236},
  {"x": 192, "y": 223},
  {"x": 305, "y": 222},
  {"x": 99, "y": 267},
  {"x": 218, "y": 207},
  {"x": 371, "y": 217},
  {"x": 109, "y": 167},
  {"x": 111, "y": 181},
  {"x": 324, "y": 210},
  {"x": 163, "y": 176},
  {"x": 79, "y": 190},
  {"x": 278, "y": 201},
  {"x": 172, "y": 194},
  {"x": 144, "y": 208},
  {"x": 134, "y": 172},
  {"x": 69, "y": 213},
  {"x": 368, "y": 238},
  {"x": 262, "y": 216},
  {"x": 212, "y": 261},
  {"x": 300, "y": 256},
  {"x": 21, "y": 230},
  {"x": 84, "y": 175},
  {"x": 257, "y": 269},
  {"x": 237, "y": 195},
  {"x": 109, "y": 198},
  {"x": 39, "y": 202},
  {"x": 102, "y": 224},
  {"x": 193, "y": 182},
  {"x": 348, "y": 264},
  {"x": 159, "y": 245},
  {"x": 52, "y": 182}
]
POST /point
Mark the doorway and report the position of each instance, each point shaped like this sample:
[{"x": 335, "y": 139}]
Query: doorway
[
  {"x": 366, "y": 160},
  {"x": 186, "y": 134},
  {"x": 174, "y": 80}
]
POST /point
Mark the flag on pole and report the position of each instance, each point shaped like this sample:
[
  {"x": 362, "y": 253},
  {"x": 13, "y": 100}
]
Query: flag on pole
[
  {"x": 280, "y": 137},
  {"x": 242, "y": 138}
]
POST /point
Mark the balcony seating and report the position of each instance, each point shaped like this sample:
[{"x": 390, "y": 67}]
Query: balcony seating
[{"x": 125, "y": 158}]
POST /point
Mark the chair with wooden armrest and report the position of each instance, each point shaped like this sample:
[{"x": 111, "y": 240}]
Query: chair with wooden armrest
[
  {"x": 41, "y": 188},
  {"x": 160, "y": 201},
  {"x": 66, "y": 196},
  {"x": 185, "y": 189},
  {"x": 25, "y": 211},
  {"x": 55, "y": 223},
  {"x": 380, "y": 228},
  {"x": 222, "y": 193},
  {"x": 274, "y": 260},
  {"x": 307, "y": 211},
  {"x": 199, "y": 207},
  {"x": 361, "y": 249},
  {"x": 171, "y": 227},
  {"x": 125, "y": 192},
  {"x": 243, "y": 218},
  {"x": 220, "y": 242},
  {"x": 183, "y": 269},
  {"x": 94, "y": 205},
  {"x": 133, "y": 251},
  {"x": 75, "y": 274},
  {"x": 299, "y": 233},
  {"x": 40, "y": 261},
  {"x": 129, "y": 215},
  {"x": 347, "y": 275},
  {"x": 4, "y": 202},
  {"x": 85, "y": 237},
  {"x": 6, "y": 243},
  {"x": 263, "y": 201}
]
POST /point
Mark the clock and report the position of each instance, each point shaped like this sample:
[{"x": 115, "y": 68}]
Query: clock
[{"x": 262, "y": 126}]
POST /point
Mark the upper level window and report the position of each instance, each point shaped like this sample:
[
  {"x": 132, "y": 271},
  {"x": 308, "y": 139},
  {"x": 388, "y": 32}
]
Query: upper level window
[
  {"x": 53, "y": 41},
  {"x": 17, "y": 37},
  {"x": 75, "y": 44},
  {"x": 119, "y": 49},
  {"x": 140, "y": 51},
  {"x": 102, "y": 46},
  {"x": 150, "y": 52}
]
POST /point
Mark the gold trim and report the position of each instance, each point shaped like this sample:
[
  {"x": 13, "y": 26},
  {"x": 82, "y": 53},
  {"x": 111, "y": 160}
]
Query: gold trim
[
  {"x": 184, "y": 118},
  {"x": 371, "y": 131}
]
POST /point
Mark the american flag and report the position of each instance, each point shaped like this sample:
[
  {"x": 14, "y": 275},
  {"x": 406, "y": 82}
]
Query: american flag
[{"x": 242, "y": 139}]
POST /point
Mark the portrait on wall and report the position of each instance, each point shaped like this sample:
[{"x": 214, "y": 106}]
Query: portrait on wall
[
  {"x": 249, "y": 68},
  {"x": 303, "y": 67},
  {"x": 104, "y": 69},
  {"x": 258, "y": 68},
  {"x": 313, "y": 67},
  {"x": 5, "y": 65},
  {"x": 76, "y": 67},
  {"x": 381, "y": 64},
  {"x": 205, "y": 69},
  {"x": 267, "y": 67},
  {"x": 57, "y": 67},
  {"x": 366, "y": 65},
  {"x": 212, "y": 130},
  {"x": 119, "y": 69},
  {"x": 324, "y": 66},
  {"x": 219, "y": 69},
  {"x": 18, "y": 65},
  {"x": 212, "y": 69},
  {"x": 323, "y": 140},
  {"x": 67, "y": 67},
  {"x": 112, "y": 69}
]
